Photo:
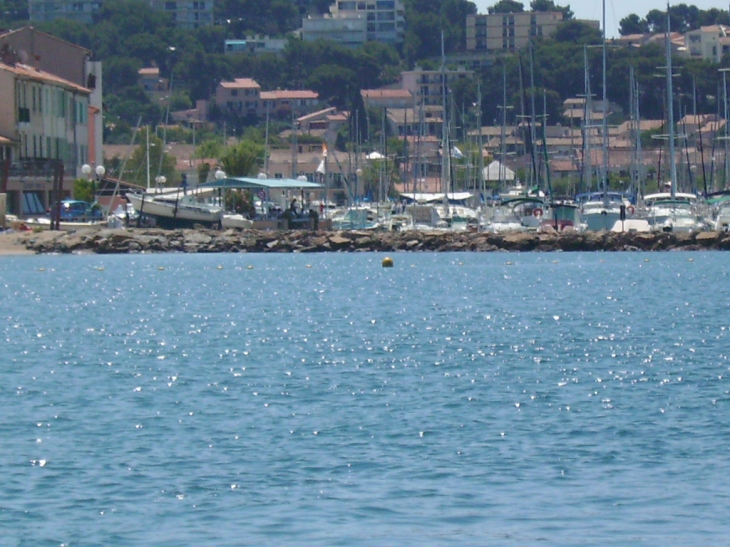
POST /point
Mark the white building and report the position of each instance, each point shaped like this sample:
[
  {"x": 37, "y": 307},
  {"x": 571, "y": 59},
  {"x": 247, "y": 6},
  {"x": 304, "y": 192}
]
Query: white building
[
  {"x": 709, "y": 43},
  {"x": 348, "y": 30},
  {"x": 353, "y": 22}
]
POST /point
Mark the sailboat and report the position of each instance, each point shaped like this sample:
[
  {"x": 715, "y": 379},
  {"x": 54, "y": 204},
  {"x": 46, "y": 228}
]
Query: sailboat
[
  {"x": 602, "y": 209},
  {"x": 670, "y": 211},
  {"x": 175, "y": 207}
]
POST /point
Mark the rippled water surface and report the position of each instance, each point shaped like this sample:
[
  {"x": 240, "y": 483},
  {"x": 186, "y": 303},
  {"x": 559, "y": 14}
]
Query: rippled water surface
[{"x": 455, "y": 399}]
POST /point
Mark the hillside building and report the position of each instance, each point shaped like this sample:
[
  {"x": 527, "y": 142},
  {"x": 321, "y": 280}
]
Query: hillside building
[
  {"x": 185, "y": 13},
  {"x": 354, "y": 22},
  {"x": 508, "y": 31}
]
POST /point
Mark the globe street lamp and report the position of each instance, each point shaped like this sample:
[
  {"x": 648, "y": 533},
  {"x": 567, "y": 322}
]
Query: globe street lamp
[
  {"x": 100, "y": 171},
  {"x": 358, "y": 172}
]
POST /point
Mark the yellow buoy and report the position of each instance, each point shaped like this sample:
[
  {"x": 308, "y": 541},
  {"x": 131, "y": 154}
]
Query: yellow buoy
[
  {"x": 309, "y": 265},
  {"x": 41, "y": 269},
  {"x": 161, "y": 268},
  {"x": 220, "y": 267},
  {"x": 387, "y": 262},
  {"x": 100, "y": 268},
  {"x": 250, "y": 267}
]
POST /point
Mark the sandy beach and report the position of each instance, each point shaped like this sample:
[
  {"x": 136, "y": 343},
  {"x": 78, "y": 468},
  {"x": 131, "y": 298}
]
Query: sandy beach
[{"x": 14, "y": 243}]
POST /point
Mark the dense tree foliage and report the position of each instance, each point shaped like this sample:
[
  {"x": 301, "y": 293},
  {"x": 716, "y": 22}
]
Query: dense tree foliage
[
  {"x": 428, "y": 20},
  {"x": 507, "y": 6},
  {"x": 682, "y": 17},
  {"x": 549, "y": 5}
]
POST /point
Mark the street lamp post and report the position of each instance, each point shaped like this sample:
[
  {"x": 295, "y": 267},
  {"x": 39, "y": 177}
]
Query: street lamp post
[
  {"x": 358, "y": 172},
  {"x": 100, "y": 171}
]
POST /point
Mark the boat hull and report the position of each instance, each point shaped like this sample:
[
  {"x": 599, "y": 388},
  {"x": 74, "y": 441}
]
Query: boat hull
[{"x": 168, "y": 214}]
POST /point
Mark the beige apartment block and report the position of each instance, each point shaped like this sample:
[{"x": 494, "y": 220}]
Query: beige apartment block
[
  {"x": 44, "y": 135},
  {"x": 508, "y": 31},
  {"x": 241, "y": 97}
]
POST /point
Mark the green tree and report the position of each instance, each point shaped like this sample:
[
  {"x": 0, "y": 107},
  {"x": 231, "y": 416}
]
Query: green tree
[
  {"x": 334, "y": 84},
  {"x": 507, "y": 6},
  {"x": 242, "y": 160},
  {"x": 549, "y": 5},
  {"x": 84, "y": 190},
  {"x": 632, "y": 24},
  {"x": 577, "y": 33}
]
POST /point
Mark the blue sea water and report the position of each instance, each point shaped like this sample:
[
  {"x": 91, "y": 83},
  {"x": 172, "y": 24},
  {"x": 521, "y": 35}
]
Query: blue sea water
[{"x": 455, "y": 399}]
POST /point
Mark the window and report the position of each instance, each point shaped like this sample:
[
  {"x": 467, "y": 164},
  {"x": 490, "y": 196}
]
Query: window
[
  {"x": 171, "y": 6},
  {"x": 234, "y": 93}
]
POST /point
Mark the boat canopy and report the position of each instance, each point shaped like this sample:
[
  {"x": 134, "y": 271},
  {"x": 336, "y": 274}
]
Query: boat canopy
[
  {"x": 664, "y": 196},
  {"x": 453, "y": 197},
  {"x": 240, "y": 183},
  {"x": 598, "y": 196}
]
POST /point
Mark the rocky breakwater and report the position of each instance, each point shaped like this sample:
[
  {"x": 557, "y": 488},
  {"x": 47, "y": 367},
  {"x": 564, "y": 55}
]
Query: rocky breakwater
[{"x": 104, "y": 241}]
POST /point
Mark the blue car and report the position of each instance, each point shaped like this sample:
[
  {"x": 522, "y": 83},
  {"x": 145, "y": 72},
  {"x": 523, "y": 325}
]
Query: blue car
[{"x": 73, "y": 210}]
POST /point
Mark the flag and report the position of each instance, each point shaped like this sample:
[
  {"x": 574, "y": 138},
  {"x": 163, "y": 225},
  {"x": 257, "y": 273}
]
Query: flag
[
  {"x": 324, "y": 150},
  {"x": 321, "y": 168},
  {"x": 456, "y": 153}
]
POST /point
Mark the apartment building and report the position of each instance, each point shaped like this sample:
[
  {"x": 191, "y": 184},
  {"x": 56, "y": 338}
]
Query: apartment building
[
  {"x": 186, "y": 14},
  {"x": 282, "y": 103},
  {"x": 709, "y": 43},
  {"x": 386, "y": 98},
  {"x": 353, "y": 22},
  {"x": 241, "y": 97},
  {"x": 44, "y": 135},
  {"x": 427, "y": 86},
  {"x": 508, "y": 31}
]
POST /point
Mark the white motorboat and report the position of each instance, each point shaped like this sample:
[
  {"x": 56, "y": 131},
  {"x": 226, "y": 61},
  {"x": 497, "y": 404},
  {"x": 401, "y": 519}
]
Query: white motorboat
[
  {"x": 563, "y": 216},
  {"x": 518, "y": 214},
  {"x": 675, "y": 215},
  {"x": 601, "y": 210}
]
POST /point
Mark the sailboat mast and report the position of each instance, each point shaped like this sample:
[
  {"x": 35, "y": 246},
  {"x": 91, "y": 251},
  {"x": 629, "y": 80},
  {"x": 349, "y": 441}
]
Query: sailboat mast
[
  {"x": 637, "y": 135},
  {"x": 148, "y": 157},
  {"x": 604, "y": 176},
  {"x": 445, "y": 147},
  {"x": 503, "y": 135},
  {"x": 670, "y": 111},
  {"x": 480, "y": 143},
  {"x": 587, "y": 127}
]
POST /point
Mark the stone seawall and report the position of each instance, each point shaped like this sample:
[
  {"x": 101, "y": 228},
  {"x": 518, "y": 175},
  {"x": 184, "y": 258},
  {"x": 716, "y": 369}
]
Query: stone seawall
[{"x": 105, "y": 241}]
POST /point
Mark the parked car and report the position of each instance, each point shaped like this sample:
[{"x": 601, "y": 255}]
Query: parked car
[{"x": 74, "y": 210}]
